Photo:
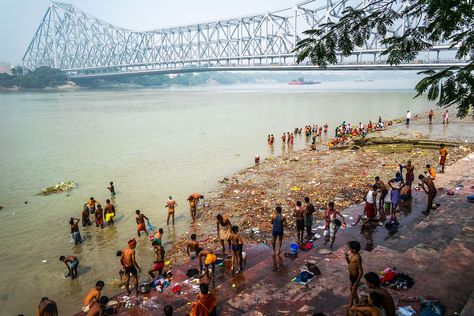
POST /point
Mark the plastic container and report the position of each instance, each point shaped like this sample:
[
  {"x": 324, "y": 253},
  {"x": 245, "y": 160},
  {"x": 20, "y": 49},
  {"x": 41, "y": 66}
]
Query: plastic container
[{"x": 294, "y": 249}]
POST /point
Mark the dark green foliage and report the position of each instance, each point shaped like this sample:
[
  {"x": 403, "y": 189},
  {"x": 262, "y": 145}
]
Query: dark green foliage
[
  {"x": 39, "y": 78},
  {"x": 434, "y": 20}
]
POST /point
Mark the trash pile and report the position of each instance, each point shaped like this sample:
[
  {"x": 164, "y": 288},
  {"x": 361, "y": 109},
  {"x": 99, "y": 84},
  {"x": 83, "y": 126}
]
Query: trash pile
[
  {"x": 58, "y": 188},
  {"x": 250, "y": 196}
]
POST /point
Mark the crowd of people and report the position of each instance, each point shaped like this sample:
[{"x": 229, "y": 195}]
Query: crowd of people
[{"x": 381, "y": 201}]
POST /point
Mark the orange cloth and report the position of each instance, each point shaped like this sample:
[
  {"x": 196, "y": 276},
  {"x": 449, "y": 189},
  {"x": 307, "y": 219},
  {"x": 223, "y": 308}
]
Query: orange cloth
[
  {"x": 204, "y": 306},
  {"x": 432, "y": 173},
  {"x": 140, "y": 227},
  {"x": 443, "y": 153}
]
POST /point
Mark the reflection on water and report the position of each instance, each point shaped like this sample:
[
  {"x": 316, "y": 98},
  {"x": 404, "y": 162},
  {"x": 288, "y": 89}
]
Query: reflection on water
[{"x": 151, "y": 143}]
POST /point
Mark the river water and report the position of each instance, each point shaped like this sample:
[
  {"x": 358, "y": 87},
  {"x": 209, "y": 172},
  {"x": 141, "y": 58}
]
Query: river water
[{"x": 152, "y": 143}]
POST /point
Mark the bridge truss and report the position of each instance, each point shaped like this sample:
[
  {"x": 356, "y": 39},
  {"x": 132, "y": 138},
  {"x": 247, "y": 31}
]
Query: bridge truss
[{"x": 85, "y": 46}]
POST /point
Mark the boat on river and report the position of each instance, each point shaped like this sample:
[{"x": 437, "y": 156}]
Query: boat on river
[{"x": 301, "y": 81}]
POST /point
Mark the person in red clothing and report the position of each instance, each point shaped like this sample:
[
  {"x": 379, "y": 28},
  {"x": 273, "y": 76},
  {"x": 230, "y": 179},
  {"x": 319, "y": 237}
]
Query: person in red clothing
[
  {"x": 370, "y": 199},
  {"x": 206, "y": 305}
]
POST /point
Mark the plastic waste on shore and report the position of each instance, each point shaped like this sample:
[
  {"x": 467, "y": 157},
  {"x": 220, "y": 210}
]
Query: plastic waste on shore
[{"x": 58, "y": 188}]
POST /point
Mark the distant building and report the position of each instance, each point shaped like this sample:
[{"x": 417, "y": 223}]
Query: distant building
[{"x": 5, "y": 68}]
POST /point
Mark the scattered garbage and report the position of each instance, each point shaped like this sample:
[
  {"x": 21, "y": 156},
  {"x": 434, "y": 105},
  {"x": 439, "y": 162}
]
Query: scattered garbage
[{"x": 58, "y": 188}]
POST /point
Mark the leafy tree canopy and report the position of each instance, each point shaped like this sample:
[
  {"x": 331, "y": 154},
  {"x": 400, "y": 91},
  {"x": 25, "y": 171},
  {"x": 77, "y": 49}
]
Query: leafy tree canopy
[
  {"x": 41, "y": 77},
  {"x": 434, "y": 21}
]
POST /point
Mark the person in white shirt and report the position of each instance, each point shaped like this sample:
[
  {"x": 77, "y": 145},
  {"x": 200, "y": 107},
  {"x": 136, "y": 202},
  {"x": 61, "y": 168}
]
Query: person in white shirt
[{"x": 408, "y": 118}]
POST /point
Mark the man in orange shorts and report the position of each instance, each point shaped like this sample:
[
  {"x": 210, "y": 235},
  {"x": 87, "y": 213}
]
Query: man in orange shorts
[
  {"x": 170, "y": 204},
  {"x": 140, "y": 218},
  {"x": 193, "y": 200}
]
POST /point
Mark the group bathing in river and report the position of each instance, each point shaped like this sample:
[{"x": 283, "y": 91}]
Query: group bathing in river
[{"x": 381, "y": 208}]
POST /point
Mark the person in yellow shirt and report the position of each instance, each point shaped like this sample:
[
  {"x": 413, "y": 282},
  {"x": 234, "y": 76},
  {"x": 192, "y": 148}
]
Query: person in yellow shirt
[
  {"x": 431, "y": 171},
  {"x": 443, "y": 153}
]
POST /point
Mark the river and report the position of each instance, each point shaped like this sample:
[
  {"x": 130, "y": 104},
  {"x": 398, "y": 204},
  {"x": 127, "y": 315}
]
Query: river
[{"x": 152, "y": 143}]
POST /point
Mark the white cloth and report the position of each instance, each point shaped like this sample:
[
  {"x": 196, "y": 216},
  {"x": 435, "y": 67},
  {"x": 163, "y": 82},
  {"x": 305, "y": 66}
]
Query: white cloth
[
  {"x": 369, "y": 197},
  {"x": 408, "y": 115},
  {"x": 387, "y": 198}
]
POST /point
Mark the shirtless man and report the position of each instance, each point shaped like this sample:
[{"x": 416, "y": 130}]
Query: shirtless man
[
  {"x": 383, "y": 193},
  {"x": 99, "y": 217},
  {"x": 170, "y": 204},
  {"x": 308, "y": 219},
  {"x": 92, "y": 296},
  {"x": 373, "y": 282},
  {"x": 192, "y": 249},
  {"x": 91, "y": 205},
  {"x": 140, "y": 219},
  {"x": 76, "y": 235},
  {"x": 109, "y": 211},
  {"x": 278, "y": 224},
  {"x": 193, "y": 200},
  {"x": 111, "y": 188},
  {"x": 443, "y": 153},
  {"x": 431, "y": 172},
  {"x": 159, "y": 262},
  {"x": 98, "y": 307},
  {"x": 47, "y": 307},
  {"x": 74, "y": 263},
  {"x": 237, "y": 246},
  {"x": 354, "y": 260},
  {"x": 86, "y": 221},
  {"x": 431, "y": 192},
  {"x": 130, "y": 265},
  {"x": 410, "y": 175},
  {"x": 224, "y": 229},
  {"x": 210, "y": 260},
  {"x": 332, "y": 224},
  {"x": 158, "y": 236},
  {"x": 299, "y": 218}
]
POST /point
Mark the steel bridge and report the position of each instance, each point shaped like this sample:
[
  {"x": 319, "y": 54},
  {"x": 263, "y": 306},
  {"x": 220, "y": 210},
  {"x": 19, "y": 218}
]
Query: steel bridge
[{"x": 84, "y": 46}]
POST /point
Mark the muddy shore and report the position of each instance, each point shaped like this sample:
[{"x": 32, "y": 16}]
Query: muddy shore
[{"x": 343, "y": 176}]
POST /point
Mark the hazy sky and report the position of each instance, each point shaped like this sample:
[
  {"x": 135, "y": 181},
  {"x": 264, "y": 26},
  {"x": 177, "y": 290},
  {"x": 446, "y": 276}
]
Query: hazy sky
[{"x": 20, "y": 18}]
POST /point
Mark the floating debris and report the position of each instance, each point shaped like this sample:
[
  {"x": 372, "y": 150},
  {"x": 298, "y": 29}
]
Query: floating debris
[{"x": 60, "y": 187}]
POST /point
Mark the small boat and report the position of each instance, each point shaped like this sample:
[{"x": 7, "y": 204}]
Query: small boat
[{"x": 301, "y": 81}]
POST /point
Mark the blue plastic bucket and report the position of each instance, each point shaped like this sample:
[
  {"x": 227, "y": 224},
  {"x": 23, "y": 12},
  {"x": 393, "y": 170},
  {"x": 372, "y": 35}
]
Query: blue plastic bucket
[{"x": 294, "y": 248}]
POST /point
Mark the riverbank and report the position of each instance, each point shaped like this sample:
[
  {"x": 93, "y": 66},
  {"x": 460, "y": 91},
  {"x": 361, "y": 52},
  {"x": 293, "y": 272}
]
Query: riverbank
[
  {"x": 250, "y": 196},
  {"x": 343, "y": 176}
]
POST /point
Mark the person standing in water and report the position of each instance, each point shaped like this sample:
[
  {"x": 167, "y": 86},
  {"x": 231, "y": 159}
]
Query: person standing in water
[
  {"x": 111, "y": 188},
  {"x": 76, "y": 235},
  {"x": 47, "y": 307},
  {"x": 278, "y": 222},
  {"x": 71, "y": 263},
  {"x": 193, "y": 200},
  {"x": 86, "y": 221},
  {"x": 140, "y": 219},
  {"x": 99, "y": 217},
  {"x": 170, "y": 204},
  {"x": 109, "y": 212},
  {"x": 130, "y": 265}
]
